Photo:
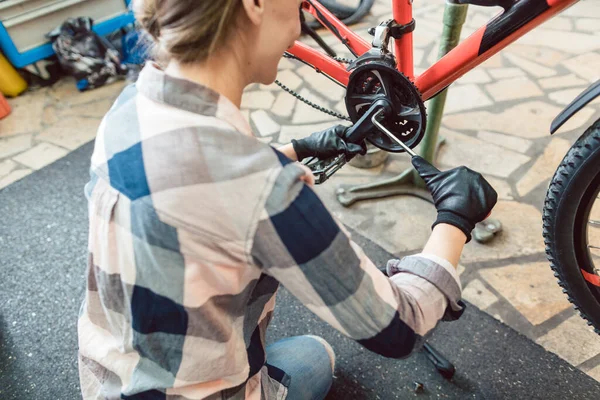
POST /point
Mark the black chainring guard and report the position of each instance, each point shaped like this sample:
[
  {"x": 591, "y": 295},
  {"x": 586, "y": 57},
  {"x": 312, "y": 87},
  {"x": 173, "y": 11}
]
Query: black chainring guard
[{"x": 375, "y": 79}]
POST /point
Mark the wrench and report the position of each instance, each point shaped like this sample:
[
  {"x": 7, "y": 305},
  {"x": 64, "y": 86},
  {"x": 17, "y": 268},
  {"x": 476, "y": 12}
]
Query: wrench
[{"x": 390, "y": 134}]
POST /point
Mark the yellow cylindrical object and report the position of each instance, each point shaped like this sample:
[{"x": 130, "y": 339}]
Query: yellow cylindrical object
[{"x": 11, "y": 83}]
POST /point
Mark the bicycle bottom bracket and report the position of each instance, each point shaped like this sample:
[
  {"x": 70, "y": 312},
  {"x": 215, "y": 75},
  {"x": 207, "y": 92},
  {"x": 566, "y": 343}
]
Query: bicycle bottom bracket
[{"x": 373, "y": 80}]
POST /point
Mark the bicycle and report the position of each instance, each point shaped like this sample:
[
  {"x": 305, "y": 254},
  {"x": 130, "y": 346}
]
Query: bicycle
[
  {"x": 384, "y": 99},
  {"x": 571, "y": 217}
]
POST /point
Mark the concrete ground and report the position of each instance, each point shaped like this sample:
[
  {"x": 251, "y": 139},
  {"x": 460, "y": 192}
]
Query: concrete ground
[
  {"x": 42, "y": 242},
  {"x": 496, "y": 121}
]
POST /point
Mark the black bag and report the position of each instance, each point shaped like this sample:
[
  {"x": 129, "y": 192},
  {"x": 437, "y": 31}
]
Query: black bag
[{"x": 83, "y": 54}]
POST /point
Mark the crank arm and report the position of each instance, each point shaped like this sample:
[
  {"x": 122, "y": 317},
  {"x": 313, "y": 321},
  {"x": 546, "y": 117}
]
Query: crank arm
[{"x": 361, "y": 129}]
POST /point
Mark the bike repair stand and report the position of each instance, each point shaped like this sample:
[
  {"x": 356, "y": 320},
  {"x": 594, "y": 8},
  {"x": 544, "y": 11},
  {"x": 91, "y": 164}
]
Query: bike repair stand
[{"x": 409, "y": 182}]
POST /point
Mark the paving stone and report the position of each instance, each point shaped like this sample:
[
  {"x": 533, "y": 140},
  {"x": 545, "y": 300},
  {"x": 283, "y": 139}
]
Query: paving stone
[
  {"x": 6, "y": 167},
  {"x": 433, "y": 54},
  {"x": 572, "y": 340},
  {"x": 65, "y": 93},
  {"x": 531, "y": 288},
  {"x": 535, "y": 69},
  {"x": 306, "y": 114},
  {"x": 93, "y": 110},
  {"x": 568, "y": 42},
  {"x": 476, "y": 20},
  {"x": 521, "y": 235},
  {"x": 477, "y": 75},
  {"x": 263, "y": 123},
  {"x": 289, "y": 132},
  {"x": 564, "y": 97},
  {"x": 306, "y": 72},
  {"x": 583, "y": 9},
  {"x": 559, "y": 23},
  {"x": 595, "y": 373},
  {"x": 529, "y": 120},
  {"x": 289, "y": 79},
  {"x": 544, "y": 167},
  {"x": 587, "y": 24},
  {"x": 327, "y": 88},
  {"x": 14, "y": 145},
  {"x": 513, "y": 89},
  {"x": 284, "y": 105},
  {"x": 418, "y": 56},
  {"x": 341, "y": 107},
  {"x": 422, "y": 41},
  {"x": 269, "y": 88},
  {"x": 486, "y": 158},
  {"x": 13, "y": 177},
  {"x": 541, "y": 55},
  {"x": 262, "y": 100},
  {"x": 286, "y": 63},
  {"x": 501, "y": 186},
  {"x": 26, "y": 115},
  {"x": 562, "y": 81},
  {"x": 40, "y": 155},
  {"x": 71, "y": 132},
  {"x": 379, "y": 9},
  {"x": 510, "y": 142},
  {"x": 586, "y": 65},
  {"x": 49, "y": 115},
  {"x": 321, "y": 84},
  {"x": 494, "y": 61},
  {"x": 503, "y": 73},
  {"x": 475, "y": 292},
  {"x": 349, "y": 170},
  {"x": 466, "y": 97}
]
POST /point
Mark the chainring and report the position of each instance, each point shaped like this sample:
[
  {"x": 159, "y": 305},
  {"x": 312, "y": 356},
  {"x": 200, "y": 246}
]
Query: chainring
[{"x": 373, "y": 80}]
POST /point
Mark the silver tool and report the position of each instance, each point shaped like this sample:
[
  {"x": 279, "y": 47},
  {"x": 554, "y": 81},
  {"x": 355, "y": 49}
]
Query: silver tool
[{"x": 390, "y": 134}]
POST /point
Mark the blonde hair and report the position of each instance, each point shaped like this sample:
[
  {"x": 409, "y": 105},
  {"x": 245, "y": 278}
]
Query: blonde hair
[{"x": 187, "y": 30}]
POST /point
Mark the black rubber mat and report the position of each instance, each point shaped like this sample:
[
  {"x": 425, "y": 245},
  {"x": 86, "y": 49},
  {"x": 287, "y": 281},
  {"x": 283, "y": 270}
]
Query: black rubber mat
[{"x": 43, "y": 234}]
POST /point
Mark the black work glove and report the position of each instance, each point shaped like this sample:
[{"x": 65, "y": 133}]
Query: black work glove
[
  {"x": 462, "y": 196},
  {"x": 326, "y": 144}
]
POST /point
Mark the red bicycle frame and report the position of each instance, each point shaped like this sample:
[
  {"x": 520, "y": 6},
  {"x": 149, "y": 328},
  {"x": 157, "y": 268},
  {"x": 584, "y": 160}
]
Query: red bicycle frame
[{"x": 505, "y": 28}]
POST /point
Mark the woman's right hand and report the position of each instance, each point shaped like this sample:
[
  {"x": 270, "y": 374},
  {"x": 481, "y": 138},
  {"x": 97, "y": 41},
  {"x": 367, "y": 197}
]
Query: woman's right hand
[{"x": 461, "y": 196}]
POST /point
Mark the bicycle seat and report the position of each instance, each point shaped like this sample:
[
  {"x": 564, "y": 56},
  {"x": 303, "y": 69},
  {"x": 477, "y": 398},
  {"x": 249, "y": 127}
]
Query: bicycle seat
[{"x": 506, "y": 4}]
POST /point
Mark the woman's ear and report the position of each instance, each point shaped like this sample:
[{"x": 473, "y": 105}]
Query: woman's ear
[{"x": 255, "y": 10}]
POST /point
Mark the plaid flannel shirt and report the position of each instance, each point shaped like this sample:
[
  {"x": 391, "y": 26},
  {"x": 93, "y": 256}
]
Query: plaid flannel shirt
[{"x": 193, "y": 225}]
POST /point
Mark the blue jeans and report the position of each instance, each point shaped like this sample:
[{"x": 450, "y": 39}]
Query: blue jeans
[{"x": 308, "y": 363}]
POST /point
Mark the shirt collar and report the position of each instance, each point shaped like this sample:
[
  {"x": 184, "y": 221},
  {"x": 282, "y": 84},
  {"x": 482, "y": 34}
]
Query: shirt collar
[{"x": 155, "y": 84}]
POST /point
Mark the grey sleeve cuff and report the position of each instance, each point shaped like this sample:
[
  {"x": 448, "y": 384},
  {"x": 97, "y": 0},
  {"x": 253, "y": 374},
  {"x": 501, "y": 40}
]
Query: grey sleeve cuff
[{"x": 437, "y": 275}]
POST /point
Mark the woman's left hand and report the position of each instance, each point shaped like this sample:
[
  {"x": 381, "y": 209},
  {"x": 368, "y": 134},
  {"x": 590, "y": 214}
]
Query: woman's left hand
[
  {"x": 326, "y": 144},
  {"x": 308, "y": 177}
]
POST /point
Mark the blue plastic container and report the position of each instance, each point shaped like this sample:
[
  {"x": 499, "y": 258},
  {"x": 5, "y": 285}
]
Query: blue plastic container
[{"x": 20, "y": 60}]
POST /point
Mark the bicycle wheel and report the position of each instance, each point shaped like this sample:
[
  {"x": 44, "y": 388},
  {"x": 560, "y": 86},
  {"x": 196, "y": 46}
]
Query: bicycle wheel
[{"x": 571, "y": 225}]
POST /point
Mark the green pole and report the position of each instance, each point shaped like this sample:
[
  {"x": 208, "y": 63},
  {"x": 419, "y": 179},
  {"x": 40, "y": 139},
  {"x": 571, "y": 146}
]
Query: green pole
[{"x": 454, "y": 18}]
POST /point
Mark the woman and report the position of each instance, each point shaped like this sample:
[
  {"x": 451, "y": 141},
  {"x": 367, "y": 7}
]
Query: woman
[{"x": 194, "y": 223}]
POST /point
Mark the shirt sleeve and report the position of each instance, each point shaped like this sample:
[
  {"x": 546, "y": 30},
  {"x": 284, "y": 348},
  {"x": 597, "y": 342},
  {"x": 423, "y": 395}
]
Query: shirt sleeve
[{"x": 298, "y": 242}]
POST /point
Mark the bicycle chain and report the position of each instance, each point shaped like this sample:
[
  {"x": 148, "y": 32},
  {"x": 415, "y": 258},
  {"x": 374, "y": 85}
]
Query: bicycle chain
[{"x": 310, "y": 103}]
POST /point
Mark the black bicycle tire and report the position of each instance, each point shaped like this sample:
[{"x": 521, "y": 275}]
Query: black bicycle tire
[
  {"x": 568, "y": 194},
  {"x": 347, "y": 15}
]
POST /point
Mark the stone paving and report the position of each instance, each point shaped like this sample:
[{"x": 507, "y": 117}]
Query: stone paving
[{"x": 496, "y": 121}]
